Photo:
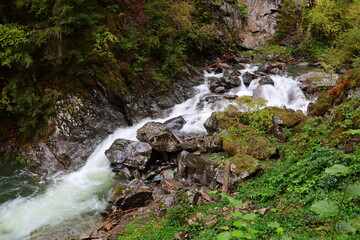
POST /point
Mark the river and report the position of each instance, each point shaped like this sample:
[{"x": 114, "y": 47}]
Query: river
[{"x": 30, "y": 207}]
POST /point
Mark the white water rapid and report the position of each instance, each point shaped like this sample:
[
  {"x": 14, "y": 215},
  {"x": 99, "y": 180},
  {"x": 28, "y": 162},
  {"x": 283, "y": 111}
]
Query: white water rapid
[{"x": 82, "y": 191}]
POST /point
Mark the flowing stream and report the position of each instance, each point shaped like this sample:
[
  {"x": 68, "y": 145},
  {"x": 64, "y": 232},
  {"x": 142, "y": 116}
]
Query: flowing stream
[{"x": 70, "y": 196}]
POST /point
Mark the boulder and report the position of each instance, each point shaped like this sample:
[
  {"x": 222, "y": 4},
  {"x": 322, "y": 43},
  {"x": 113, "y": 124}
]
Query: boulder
[
  {"x": 266, "y": 80},
  {"x": 196, "y": 169},
  {"x": 248, "y": 77},
  {"x": 159, "y": 136},
  {"x": 212, "y": 143},
  {"x": 265, "y": 68},
  {"x": 129, "y": 153},
  {"x": 277, "y": 71},
  {"x": 234, "y": 81},
  {"x": 212, "y": 124},
  {"x": 314, "y": 82},
  {"x": 219, "y": 90},
  {"x": 235, "y": 73},
  {"x": 175, "y": 123},
  {"x": 127, "y": 198},
  {"x": 241, "y": 167}
]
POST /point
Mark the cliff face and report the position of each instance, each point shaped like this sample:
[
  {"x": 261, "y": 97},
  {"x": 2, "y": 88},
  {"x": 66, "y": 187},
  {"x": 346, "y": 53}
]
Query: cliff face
[
  {"x": 260, "y": 23},
  {"x": 253, "y": 28}
]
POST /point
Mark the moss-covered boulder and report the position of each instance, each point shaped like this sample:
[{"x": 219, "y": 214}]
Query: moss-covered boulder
[
  {"x": 243, "y": 165},
  {"x": 338, "y": 94},
  {"x": 290, "y": 118},
  {"x": 241, "y": 139}
]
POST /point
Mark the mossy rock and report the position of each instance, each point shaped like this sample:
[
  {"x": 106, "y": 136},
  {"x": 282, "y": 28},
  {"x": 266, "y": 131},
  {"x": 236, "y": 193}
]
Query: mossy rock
[
  {"x": 242, "y": 139},
  {"x": 228, "y": 117},
  {"x": 244, "y": 163},
  {"x": 290, "y": 118},
  {"x": 337, "y": 95}
]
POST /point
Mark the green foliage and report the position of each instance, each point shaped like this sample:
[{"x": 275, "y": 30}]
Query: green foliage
[
  {"x": 327, "y": 208},
  {"x": 14, "y": 40},
  {"x": 324, "y": 21}
]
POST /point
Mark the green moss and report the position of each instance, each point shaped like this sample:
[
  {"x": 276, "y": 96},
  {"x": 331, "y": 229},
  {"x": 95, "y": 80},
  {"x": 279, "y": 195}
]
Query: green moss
[
  {"x": 242, "y": 139},
  {"x": 290, "y": 118},
  {"x": 244, "y": 163}
]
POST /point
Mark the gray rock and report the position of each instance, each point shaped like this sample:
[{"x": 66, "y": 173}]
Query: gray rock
[
  {"x": 265, "y": 68},
  {"x": 234, "y": 81},
  {"x": 190, "y": 145},
  {"x": 159, "y": 136},
  {"x": 219, "y": 90},
  {"x": 248, "y": 77},
  {"x": 212, "y": 124},
  {"x": 168, "y": 174},
  {"x": 213, "y": 143},
  {"x": 235, "y": 73},
  {"x": 129, "y": 153},
  {"x": 266, "y": 80},
  {"x": 314, "y": 82},
  {"x": 277, "y": 71},
  {"x": 175, "y": 123},
  {"x": 196, "y": 169},
  {"x": 126, "y": 198}
]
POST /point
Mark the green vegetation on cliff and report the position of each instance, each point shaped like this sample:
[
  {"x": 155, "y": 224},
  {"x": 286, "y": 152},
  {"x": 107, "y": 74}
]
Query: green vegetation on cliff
[{"x": 49, "y": 47}]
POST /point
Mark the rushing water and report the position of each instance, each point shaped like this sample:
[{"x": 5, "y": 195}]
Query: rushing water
[{"x": 69, "y": 196}]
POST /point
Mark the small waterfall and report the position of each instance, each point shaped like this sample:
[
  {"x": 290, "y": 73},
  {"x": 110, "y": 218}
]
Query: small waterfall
[{"x": 80, "y": 192}]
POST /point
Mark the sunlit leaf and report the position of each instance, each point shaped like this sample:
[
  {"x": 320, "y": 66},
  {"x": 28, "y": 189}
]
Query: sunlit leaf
[
  {"x": 280, "y": 230},
  {"x": 355, "y": 222},
  {"x": 345, "y": 228},
  {"x": 237, "y": 214},
  {"x": 353, "y": 190},
  {"x": 237, "y": 233},
  {"x": 337, "y": 169},
  {"x": 325, "y": 208},
  {"x": 224, "y": 236},
  {"x": 273, "y": 224},
  {"x": 249, "y": 216},
  {"x": 240, "y": 224}
]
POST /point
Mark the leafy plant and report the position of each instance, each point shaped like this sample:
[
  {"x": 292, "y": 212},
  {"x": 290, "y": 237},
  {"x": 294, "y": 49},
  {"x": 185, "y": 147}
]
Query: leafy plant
[{"x": 329, "y": 209}]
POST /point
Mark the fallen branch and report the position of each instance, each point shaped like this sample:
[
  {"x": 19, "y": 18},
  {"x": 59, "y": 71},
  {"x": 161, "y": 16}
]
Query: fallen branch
[{"x": 215, "y": 64}]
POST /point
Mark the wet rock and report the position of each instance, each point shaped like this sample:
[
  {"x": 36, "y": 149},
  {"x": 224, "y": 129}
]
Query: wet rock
[
  {"x": 190, "y": 145},
  {"x": 238, "y": 67},
  {"x": 169, "y": 174},
  {"x": 123, "y": 173},
  {"x": 196, "y": 169},
  {"x": 213, "y": 143},
  {"x": 266, "y": 80},
  {"x": 248, "y": 77},
  {"x": 230, "y": 97},
  {"x": 129, "y": 153},
  {"x": 234, "y": 81},
  {"x": 159, "y": 136},
  {"x": 314, "y": 82},
  {"x": 235, "y": 73},
  {"x": 175, "y": 123},
  {"x": 226, "y": 74},
  {"x": 212, "y": 124},
  {"x": 126, "y": 198},
  {"x": 277, "y": 71},
  {"x": 219, "y": 90},
  {"x": 265, "y": 68}
]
